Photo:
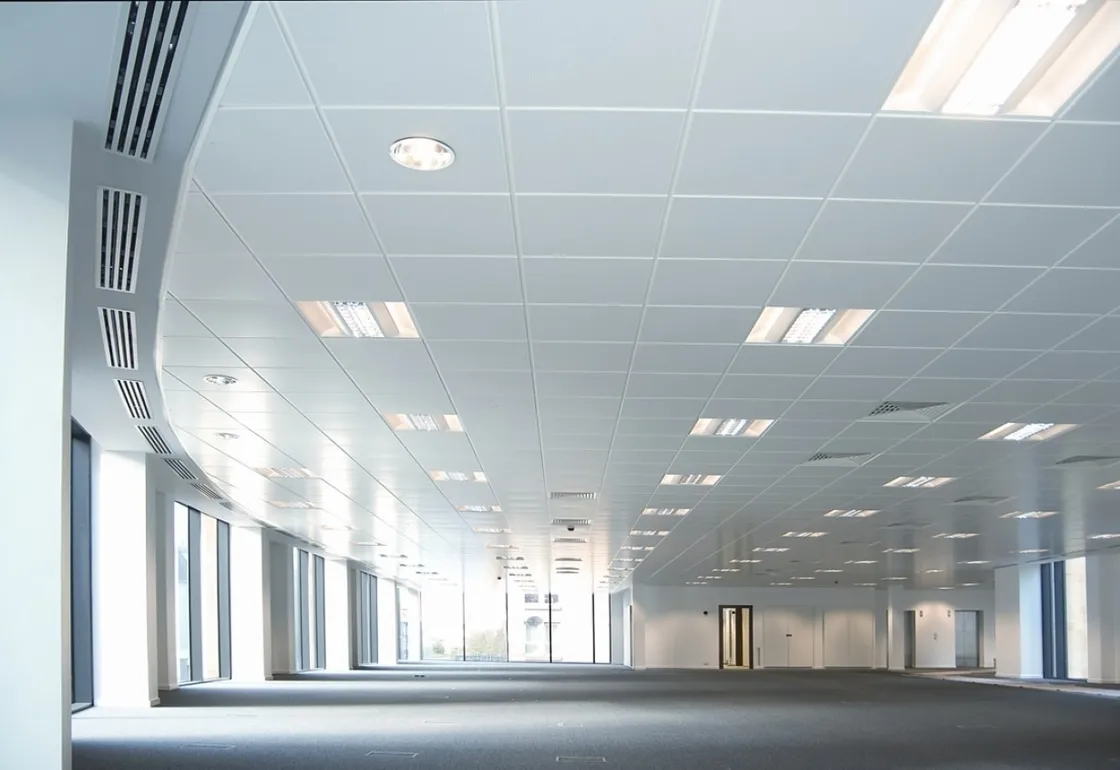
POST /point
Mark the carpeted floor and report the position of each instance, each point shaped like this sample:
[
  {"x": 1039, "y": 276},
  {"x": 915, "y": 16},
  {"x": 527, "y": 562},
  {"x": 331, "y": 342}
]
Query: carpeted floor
[{"x": 522, "y": 717}]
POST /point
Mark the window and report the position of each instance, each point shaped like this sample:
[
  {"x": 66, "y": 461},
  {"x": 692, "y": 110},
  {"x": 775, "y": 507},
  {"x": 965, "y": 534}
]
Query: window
[
  {"x": 310, "y": 610},
  {"x": 409, "y": 629},
  {"x": 81, "y": 595},
  {"x": 202, "y": 622}
]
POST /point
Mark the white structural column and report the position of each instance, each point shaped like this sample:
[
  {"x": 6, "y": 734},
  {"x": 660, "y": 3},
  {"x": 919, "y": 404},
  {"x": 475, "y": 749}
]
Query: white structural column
[
  {"x": 250, "y": 605},
  {"x": 1102, "y": 579},
  {"x": 336, "y": 586},
  {"x": 34, "y": 445},
  {"x": 896, "y": 628},
  {"x": 1019, "y": 621},
  {"x": 281, "y": 600},
  {"x": 386, "y": 622}
]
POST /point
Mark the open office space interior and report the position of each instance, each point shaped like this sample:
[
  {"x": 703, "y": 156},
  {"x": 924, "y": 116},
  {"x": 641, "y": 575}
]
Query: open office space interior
[{"x": 505, "y": 384}]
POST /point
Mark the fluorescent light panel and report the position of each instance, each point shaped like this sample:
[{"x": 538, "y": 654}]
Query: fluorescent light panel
[
  {"x": 457, "y": 475},
  {"x": 1026, "y": 431},
  {"x": 955, "y": 535},
  {"x": 491, "y": 531},
  {"x": 1029, "y": 515},
  {"x": 807, "y": 326},
  {"x": 649, "y": 532},
  {"x": 1106, "y": 536},
  {"x": 1110, "y": 485},
  {"x": 424, "y": 422},
  {"x": 332, "y": 318},
  {"x": 901, "y": 550},
  {"x": 805, "y": 534},
  {"x": 840, "y": 513},
  {"x": 286, "y": 473},
  {"x": 479, "y": 508},
  {"x": 989, "y": 57},
  {"x": 770, "y": 549},
  {"x": 745, "y": 561},
  {"x": 730, "y": 427},
  {"x": 919, "y": 482},
  {"x": 691, "y": 479},
  {"x": 666, "y": 511}
]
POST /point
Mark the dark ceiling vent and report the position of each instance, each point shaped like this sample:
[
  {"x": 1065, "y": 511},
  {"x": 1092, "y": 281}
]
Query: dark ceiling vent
[
  {"x": 118, "y": 333},
  {"x": 207, "y": 491},
  {"x": 839, "y": 459},
  {"x": 145, "y": 72},
  {"x": 154, "y": 439},
  {"x": 572, "y": 495},
  {"x": 906, "y": 525},
  {"x": 1099, "y": 461},
  {"x": 121, "y": 215},
  {"x": 571, "y": 522},
  {"x": 568, "y": 558},
  {"x": 180, "y": 468},
  {"x": 908, "y": 411},
  {"x": 135, "y": 399},
  {"x": 571, "y": 540},
  {"x": 980, "y": 500}
]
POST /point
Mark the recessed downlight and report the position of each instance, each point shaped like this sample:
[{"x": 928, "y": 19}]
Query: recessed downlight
[
  {"x": 422, "y": 153},
  {"x": 220, "y": 379}
]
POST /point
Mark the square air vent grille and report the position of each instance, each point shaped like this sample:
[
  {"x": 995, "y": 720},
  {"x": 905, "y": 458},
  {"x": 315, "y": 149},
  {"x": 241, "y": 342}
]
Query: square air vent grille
[
  {"x": 207, "y": 491},
  {"x": 1099, "y": 461},
  {"x": 154, "y": 439},
  {"x": 571, "y": 522},
  {"x": 118, "y": 333},
  {"x": 571, "y": 540},
  {"x": 908, "y": 411},
  {"x": 572, "y": 495},
  {"x": 121, "y": 218},
  {"x": 146, "y": 70},
  {"x": 135, "y": 399},
  {"x": 838, "y": 459},
  {"x": 180, "y": 468},
  {"x": 979, "y": 500}
]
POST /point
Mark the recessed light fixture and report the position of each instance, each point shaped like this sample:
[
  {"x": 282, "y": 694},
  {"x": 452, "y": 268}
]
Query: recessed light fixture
[
  {"x": 1105, "y": 536},
  {"x": 220, "y": 379},
  {"x": 781, "y": 584},
  {"x": 286, "y": 473},
  {"x": 919, "y": 482},
  {"x": 424, "y": 422},
  {"x": 511, "y": 558},
  {"x": 770, "y": 549},
  {"x": 421, "y": 153},
  {"x": 894, "y": 578},
  {"x": 225, "y": 436},
  {"x": 292, "y": 505},
  {"x": 726, "y": 569},
  {"x": 478, "y": 508},
  {"x": 696, "y": 583},
  {"x": 457, "y": 475},
  {"x": 330, "y": 318},
  {"x": 839, "y": 513},
  {"x": 807, "y": 326},
  {"x": 636, "y": 547},
  {"x": 805, "y": 534},
  {"x": 1110, "y": 485},
  {"x": 666, "y": 511},
  {"x": 955, "y": 535},
  {"x": 745, "y": 561},
  {"x": 862, "y": 561},
  {"x": 649, "y": 532},
  {"x": 1026, "y": 431},
  {"x": 830, "y": 571},
  {"x": 933, "y": 571},
  {"x": 1029, "y": 515},
  {"x": 691, "y": 479},
  {"x": 505, "y": 546},
  {"x": 901, "y": 550},
  {"x": 945, "y": 588},
  {"x": 730, "y": 427},
  {"x": 1015, "y": 58},
  {"x": 491, "y": 531},
  {"x": 974, "y": 562},
  {"x": 865, "y": 585},
  {"x": 710, "y": 577},
  {"x": 803, "y": 577},
  {"x": 1033, "y": 550},
  {"x": 969, "y": 585}
]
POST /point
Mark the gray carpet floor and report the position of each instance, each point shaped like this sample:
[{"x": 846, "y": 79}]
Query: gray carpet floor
[{"x": 520, "y": 717}]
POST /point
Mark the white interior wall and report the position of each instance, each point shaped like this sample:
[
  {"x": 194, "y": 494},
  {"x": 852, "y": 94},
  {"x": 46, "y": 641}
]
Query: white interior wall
[
  {"x": 1018, "y": 621},
  {"x": 386, "y": 622},
  {"x": 336, "y": 589}
]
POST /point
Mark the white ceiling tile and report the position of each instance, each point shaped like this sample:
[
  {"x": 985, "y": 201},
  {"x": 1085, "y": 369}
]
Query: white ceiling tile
[
  {"x": 582, "y": 356},
  {"x": 881, "y": 362},
  {"x": 1099, "y": 393},
  {"x": 662, "y": 407},
  {"x": 299, "y": 224},
  {"x": 1068, "y": 366},
  {"x": 854, "y": 388},
  {"x": 839, "y": 285},
  {"x": 459, "y": 279},
  {"x": 1022, "y": 331},
  {"x": 576, "y": 323},
  {"x": 762, "y": 386},
  {"x": 471, "y": 355},
  {"x": 895, "y": 328},
  {"x": 586, "y": 281},
  {"x": 774, "y": 155},
  {"x": 235, "y": 402},
  {"x": 264, "y": 73},
  {"x": 282, "y": 352},
  {"x": 1104, "y": 334},
  {"x": 656, "y": 357},
  {"x": 604, "y": 408},
  {"x": 241, "y": 150},
  {"x": 594, "y": 151},
  {"x": 194, "y": 377},
  {"x": 203, "y": 231},
  {"x": 470, "y": 322},
  {"x": 580, "y": 384},
  {"x": 678, "y": 427},
  {"x": 987, "y": 364},
  {"x": 371, "y": 33},
  {"x": 651, "y": 65},
  {"x": 736, "y": 228},
  {"x": 713, "y": 325},
  {"x": 1074, "y": 164},
  {"x": 249, "y": 319},
  {"x": 1099, "y": 251},
  {"x": 940, "y": 390},
  {"x": 623, "y": 226},
  {"x": 659, "y": 385},
  {"x": 383, "y": 356},
  {"x": 366, "y": 278},
  {"x": 364, "y": 138},
  {"x": 880, "y": 231},
  {"x": 194, "y": 276},
  {"x": 1023, "y": 392},
  {"x": 320, "y": 402},
  {"x": 508, "y": 384},
  {"x": 951, "y": 287},
  {"x": 829, "y": 410},
  {"x": 286, "y": 379},
  {"x": 442, "y": 224},
  {"x": 826, "y": 57},
  {"x": 714, "y": 282},
  {"x": 959, "y": 160},
  {"x": 787, "y": 359},
  {"x": 1099, "y": 101},
  {"x": 176, "y": 321},
  {"x": 1063, "y": 290}
]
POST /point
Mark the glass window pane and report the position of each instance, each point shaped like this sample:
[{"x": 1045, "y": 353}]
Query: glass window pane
[
  {"x": 442, "y": 623},
  {"x": 485, "y": 619},
  {"x": 182, "y": 592},
  {"x": 1077, "y": 620},
  {"x": 208, "y": 560},
  {"x": 571, "y": 619}
]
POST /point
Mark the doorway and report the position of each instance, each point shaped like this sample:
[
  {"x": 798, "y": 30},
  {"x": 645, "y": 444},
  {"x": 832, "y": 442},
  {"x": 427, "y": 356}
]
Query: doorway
[
  {"x": 908, "y": 635},
  {"x": 736, "y": 637},
  {"x": 968, "y": 638}
]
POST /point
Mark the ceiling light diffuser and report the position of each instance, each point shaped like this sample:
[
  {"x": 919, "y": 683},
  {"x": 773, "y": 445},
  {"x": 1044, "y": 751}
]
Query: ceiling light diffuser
[
  {"x": 1107, "y": 536},
  {"x": 1033, "y": 550},
  {"x": 491, "y": 531},
  {"x": 691, "y": 479},
  {"x": 807, "y": 326},
  {"x": 726, "y": 569},
  {"x": 830, "y": 571},
  {"x": 220, "y": 379},
  {"x": 862, "y": 561},
  {"x": 1110, "y": 485},
  {"x": 734, "y": 427},
  {"x": 901, "y": 550},
  {"x": 286, "y": 473},
  {"x": 919, "y": 482},
  {"x": 478, "y": 508},
  {"x": 1015, "y": 57},
  {"x": 666, "y": 511},
  {"x": 974, "y": 563},
  {"x": 955, "y": 535},
  {"x": 840, "y": 513},
  {"x": 1026, "y": 431},
  {"x": 1029, "y": 515},
  {"x": 292, "y": 505},
  {"x": 421, "y": 153},
  {"x": 649, "y": 532},
  {"x": 770, "y": 549},
  {"x": 332, "y": 318},
  {"x": 457, "y": 475},
  {"x": 805, "y": 534},
  {"x": 636, "y": 548},
  {"x": 745, "y": 561},
  {"x": 424, "y": 422}
]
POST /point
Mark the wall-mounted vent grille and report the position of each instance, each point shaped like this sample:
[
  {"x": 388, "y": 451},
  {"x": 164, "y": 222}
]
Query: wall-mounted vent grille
[
  {"x": 181, "y": 469},
  {"x": 145, "y": 73},
  {"x": 135, "y": 399},
  {"x": 118, "y": 333},
  {"x": 979, "y": 500},
  {"x": 572, "y": 495},
  {"x": 908, "y": 411},
  {"x": 1099, "y": 461},
  {"x": 121, "y": 217},
  {"x": 838, "y": 459},
  {"x": 571, "y": 522},
  {"x": 154, "y": 439},
  {"x": 573, "y": 540},
  {"x": 207, "y": 491}
]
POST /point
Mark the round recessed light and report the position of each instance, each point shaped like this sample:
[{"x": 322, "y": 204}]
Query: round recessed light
[
  {"x": 220, "y": 379},
  {"x": 422, "y": 153},
  {"x": 228, "y": 436}
]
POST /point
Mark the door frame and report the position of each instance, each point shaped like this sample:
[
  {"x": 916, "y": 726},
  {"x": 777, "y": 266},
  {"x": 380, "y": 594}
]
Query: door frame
[{"x": 749, "y": 657}]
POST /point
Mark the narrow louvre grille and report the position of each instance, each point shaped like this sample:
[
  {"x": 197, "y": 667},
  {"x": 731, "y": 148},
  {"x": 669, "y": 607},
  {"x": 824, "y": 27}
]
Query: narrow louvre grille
[
  {"x": 150, "y": 41},
  {"x": 118, "y": 332},
  {"x": 571, "y": 522},
  {"x": 207, "y": 491},
  {"x": 569, "y": 540},
  {"x": 908, "y": 411},
  {"x": 979, "y": 500},
  {"x": 1098, "y": 460},
  {"x": 154, "y": 439},
  {"x": 571, "y": 496},
  {"x": 568, "y": 558},
  {"x": 845, "y": 459},
  {"x": 180, "y": 468},
  {"x": 135, "y": 399},
  {"x": 121, "y": 216}
]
